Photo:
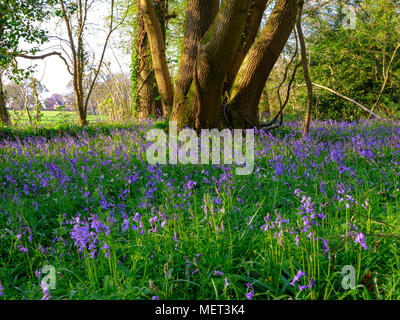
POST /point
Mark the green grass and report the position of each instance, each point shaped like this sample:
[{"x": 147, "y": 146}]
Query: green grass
[{"x": 50, "y": 118}]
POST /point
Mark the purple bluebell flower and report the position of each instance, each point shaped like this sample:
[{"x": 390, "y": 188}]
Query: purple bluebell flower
[
  {"x": 297, "y": 277},
  {"x": 250, "y": 295},
  {"x": 297, "y": 240},
  {"x": 23, "y": 249},
  {"x": 45, "y": 290},
  {"x": 360, "y": 238},
  {"x": 226, "y": 282}
]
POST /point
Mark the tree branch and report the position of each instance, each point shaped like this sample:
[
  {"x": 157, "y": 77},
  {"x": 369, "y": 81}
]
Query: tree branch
[
  {"x": 385, "y": 79},
  {"x": 348, "y": 99},
  {"x": 43, "y": 56},
  {"x": 111, "y": 30}
]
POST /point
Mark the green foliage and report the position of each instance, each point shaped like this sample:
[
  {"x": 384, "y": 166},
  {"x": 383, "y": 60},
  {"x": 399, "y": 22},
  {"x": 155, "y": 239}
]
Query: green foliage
[
  {"x": 18, "y": 20},
  {"x": 353, "y": 61}
]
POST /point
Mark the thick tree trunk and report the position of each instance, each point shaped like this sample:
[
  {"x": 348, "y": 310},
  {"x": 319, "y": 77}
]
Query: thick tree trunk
[
  {"x": 149, "y": 105},
  {"x": 255, "y": 14},
  {"x": 4, "y": 117},
  {"x": 159, "y": 58},
  {"x": 199, "y": 18},
  {"x": 209, "y": 65},
  {"x": 216, "y": 51},
  {"x": 242, "y": 109}
]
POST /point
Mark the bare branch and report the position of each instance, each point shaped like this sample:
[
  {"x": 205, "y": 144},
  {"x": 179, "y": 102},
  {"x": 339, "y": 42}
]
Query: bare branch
[
  {"x": 386, "y": 78},
  {"x": 111, "y": 30},
  {"x": 348, "y": 99},
  {"x": 43, "y": 56}
]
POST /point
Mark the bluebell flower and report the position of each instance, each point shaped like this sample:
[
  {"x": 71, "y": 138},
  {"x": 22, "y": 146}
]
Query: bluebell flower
[
  {"x": 297, "y": 277},
  {"x": 250, "y": 295}
]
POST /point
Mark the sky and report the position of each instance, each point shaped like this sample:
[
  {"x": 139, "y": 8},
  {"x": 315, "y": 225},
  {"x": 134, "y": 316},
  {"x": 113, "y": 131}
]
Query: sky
[{"x": 52, "y": 72}]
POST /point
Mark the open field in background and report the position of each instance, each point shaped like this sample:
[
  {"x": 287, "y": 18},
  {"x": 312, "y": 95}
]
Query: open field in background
[
  {"x": 86, "y": 202},
  {"x": 50, "y": 118}
]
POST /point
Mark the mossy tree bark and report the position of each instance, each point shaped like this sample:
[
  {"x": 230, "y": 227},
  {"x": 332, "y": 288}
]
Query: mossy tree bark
[
  {"x": 252, "y": 26},
  {"x": 199, "y": 18},
  {"x": 157, "y": 48},
  {"x": 149, "y": 104}
]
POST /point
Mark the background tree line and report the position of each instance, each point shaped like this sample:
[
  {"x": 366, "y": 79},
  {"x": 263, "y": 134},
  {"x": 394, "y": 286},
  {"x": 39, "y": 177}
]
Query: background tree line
[{"x": 214, "y": 63}]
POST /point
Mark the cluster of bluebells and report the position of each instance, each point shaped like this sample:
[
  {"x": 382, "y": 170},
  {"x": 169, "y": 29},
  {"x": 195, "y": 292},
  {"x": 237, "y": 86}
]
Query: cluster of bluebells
[
  {"x": 85, "y": 234},
  {"x": 356, "y": 235},
  {"x": 45, "y": 291},
  {"x": 305, "y": 225},
  {"x": 297, "y": 280},
  {"x": 192, "y": 266},
  {"x": 221, "y": 274}
]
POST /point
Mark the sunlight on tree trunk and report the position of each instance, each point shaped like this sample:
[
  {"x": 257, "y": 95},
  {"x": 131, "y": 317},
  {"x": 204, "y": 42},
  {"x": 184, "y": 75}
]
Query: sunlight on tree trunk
[{"x": 304, "y": 62}]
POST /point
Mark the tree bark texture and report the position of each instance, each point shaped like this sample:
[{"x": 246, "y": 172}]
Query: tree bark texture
[
  {"x": 149, "y": 104},
  {"x": 304, "y": 62},
  {"x": 224, "y": 66},
  {"x": 159, "y": 58},
  {"x": 247, "y": 88}
]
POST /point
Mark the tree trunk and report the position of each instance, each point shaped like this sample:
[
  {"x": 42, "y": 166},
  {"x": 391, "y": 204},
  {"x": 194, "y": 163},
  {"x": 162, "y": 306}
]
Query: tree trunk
[
  {"x": 199, "y": 18},
  {"x": 26, "y": 104},
  {"x": 307, "y": 79},
  {"x": 4, "y": 117},
  {"x": 149, "y": 105},
  {"x": 216, "y": 51},
  {"x": 242, "y": 109},
  {"x": 159, "y": 58},
  {"x": 254, "y": 17},
  {"x": 82, "y": 115},
  {"x": 212, "y": 55},
  {"x": 38, "y": 104}
]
